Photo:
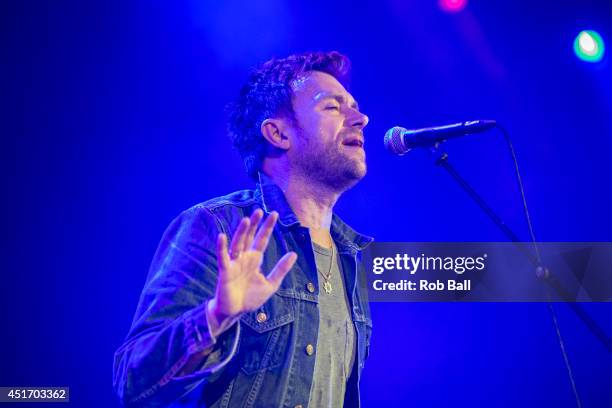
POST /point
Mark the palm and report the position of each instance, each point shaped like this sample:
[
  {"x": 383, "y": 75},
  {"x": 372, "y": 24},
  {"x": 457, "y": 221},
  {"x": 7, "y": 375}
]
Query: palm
[{"x": 243, "y": 285}]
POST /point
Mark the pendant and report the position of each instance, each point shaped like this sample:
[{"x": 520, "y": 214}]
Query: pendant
[{"x": 327, "y": 287}]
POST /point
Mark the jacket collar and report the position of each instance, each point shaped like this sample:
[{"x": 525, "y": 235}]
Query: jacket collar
[{"x": 272, "y": 198}]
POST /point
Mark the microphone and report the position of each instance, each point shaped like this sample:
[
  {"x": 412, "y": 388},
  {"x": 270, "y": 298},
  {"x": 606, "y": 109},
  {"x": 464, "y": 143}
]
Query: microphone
[{"x": 399, "y": 140}]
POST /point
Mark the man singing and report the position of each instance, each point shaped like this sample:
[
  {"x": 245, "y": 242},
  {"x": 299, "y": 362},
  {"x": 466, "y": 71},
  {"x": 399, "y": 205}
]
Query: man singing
[{"x": 257, "y": 298}]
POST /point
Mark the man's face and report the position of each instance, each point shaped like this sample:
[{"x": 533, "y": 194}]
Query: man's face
[{"x": 327, "y": 146}]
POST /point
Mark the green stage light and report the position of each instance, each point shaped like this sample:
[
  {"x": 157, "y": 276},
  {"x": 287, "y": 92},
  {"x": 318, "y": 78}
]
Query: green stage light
[{"x": 589, "y": 46}]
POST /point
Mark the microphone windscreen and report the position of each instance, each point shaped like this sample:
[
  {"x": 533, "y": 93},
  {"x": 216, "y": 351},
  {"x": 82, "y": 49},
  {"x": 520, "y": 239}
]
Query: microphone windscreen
[{"x": 393, "y": 140}]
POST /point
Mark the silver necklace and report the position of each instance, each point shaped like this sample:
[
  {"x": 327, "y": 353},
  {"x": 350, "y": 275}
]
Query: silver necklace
[{"x": 327, "y": 284}]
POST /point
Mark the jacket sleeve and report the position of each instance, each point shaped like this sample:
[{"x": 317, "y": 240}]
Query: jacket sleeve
[{"x": 169, "y": 350}]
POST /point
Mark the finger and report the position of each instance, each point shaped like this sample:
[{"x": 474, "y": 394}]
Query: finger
[
  {"x": 282, "y": 267},
  {"x": 222, "y": 255},
  {"x": 239, "y": 237},
  {"x": 255, "y": 220},
  {"x": 263, "y": 235}
]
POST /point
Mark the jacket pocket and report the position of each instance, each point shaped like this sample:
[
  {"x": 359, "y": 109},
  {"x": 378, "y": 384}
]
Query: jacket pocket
[{"x": 264, "y": 344}]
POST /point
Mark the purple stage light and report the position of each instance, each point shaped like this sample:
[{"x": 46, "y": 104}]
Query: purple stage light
[{"x": 452, "y": 6}]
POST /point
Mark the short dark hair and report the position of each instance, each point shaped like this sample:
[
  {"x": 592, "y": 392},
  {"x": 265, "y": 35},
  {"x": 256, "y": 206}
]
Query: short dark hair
[{"x": 268, "y": 93}]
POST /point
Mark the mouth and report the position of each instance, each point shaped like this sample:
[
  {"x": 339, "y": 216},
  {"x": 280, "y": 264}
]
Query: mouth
[{"x": 353, "y": 141}]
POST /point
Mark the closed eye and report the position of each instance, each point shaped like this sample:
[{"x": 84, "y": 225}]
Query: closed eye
[{"x": 332, "y": 108}]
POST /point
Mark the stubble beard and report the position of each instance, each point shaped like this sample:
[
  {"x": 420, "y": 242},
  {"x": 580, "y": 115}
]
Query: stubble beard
[{"x": 330, "y": 166}]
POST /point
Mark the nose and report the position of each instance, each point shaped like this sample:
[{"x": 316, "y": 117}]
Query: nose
[{"x": 358, "y": 119}]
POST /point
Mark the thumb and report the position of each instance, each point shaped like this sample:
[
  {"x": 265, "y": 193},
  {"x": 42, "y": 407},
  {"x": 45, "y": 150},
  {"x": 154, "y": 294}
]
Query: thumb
[{"x": 280, "y": 270}]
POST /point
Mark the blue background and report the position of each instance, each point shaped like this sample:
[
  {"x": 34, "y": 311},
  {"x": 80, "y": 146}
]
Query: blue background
[{"x": 114, "y": 124}]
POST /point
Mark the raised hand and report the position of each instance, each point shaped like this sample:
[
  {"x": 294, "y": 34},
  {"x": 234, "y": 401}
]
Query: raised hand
[{"x": 241, "y": 285}]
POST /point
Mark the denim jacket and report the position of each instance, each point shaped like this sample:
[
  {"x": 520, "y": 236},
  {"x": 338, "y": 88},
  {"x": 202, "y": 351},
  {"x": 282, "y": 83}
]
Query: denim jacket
[{"x": 257, "y": 362}]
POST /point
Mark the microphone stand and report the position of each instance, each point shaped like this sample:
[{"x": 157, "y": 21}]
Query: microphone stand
[{"x": 543, "y": 273}]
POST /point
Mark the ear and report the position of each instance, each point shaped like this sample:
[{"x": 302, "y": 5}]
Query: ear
[{"x": 273, "y": 131}]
